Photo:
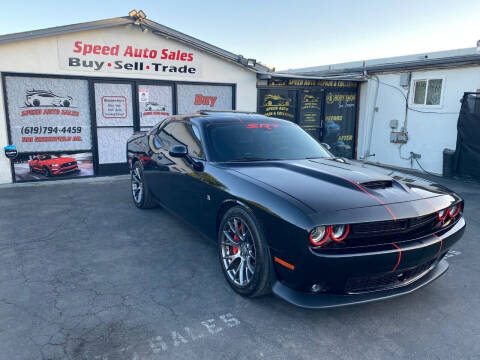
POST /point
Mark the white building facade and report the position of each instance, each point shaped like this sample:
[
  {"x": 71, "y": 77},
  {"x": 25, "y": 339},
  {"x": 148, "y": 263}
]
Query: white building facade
[{"x": 72, "y": 95}]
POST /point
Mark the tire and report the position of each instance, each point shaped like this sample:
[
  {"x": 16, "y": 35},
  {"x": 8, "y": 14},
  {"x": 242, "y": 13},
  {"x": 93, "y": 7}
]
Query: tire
[
  {"x": 142, "y": 198},
  {"x": 66, "y": 103},
  {"x": 36, "y": 102},
  {"x": 31, "y": 169},
  {"x": 261, "y": 281},
  {"x": 46, "y": 172}
]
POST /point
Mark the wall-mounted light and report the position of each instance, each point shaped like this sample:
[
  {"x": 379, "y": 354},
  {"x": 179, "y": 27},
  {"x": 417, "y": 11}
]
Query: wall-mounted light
[
  {"x": 251, "y": 62},
  {"x": 133, "y": 13}
]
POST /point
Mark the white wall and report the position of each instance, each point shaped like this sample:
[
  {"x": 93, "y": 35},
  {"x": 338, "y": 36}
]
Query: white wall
[
  {"x": 40, "y": 56},
  {"x": 429, "y": 133}
]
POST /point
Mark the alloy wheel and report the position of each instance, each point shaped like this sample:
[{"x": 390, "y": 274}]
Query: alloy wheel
[
  {"x": 137, "y": 185},
  {"x": 238, "y": 251}
]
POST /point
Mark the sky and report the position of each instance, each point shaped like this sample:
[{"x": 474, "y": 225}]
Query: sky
[{"x": 283, "y": 34}]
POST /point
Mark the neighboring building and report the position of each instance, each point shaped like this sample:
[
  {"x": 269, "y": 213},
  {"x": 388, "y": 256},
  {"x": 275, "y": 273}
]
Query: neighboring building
[
  {"x": 72, "y": 95},
  {"x": 416, "y": 95}
]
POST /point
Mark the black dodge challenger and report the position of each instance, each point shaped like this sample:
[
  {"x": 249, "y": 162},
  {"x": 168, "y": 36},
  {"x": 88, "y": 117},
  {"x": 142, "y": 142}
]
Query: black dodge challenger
[{"x": 289, "y": 217}]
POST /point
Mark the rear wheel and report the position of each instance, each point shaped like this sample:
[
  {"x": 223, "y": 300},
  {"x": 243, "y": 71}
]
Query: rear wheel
[
  {"x": 244, "y": 254},
  {"x": 142, "y": 197}
]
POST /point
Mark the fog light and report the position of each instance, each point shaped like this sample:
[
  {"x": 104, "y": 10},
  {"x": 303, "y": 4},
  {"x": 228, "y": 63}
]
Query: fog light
[{"x": 316, "y": 288}]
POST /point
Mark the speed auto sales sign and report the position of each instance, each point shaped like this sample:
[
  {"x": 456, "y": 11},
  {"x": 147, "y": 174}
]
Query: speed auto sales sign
[{"x": 159, "y": 58}]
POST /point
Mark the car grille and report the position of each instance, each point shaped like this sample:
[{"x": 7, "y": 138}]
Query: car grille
[
  {"x": 386, "y": 281},
  {"x": 384, "y": 232},
  {"x": 384, "y": 227},
  {"x": 68, "y": 164}
]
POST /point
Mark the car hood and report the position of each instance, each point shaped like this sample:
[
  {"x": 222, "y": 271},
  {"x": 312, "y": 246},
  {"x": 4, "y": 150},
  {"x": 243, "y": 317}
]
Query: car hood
[
  {"x": 60, "y": 161},
  {"x": 338, "y": 184}
]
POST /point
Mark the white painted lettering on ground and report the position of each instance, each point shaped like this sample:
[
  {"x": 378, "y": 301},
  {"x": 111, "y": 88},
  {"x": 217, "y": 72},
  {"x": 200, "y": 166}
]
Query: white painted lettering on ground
[{"x": 175, "y": 339}]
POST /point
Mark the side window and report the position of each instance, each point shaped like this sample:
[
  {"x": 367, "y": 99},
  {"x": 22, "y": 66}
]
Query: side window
[{"x": 180, "y": 133}]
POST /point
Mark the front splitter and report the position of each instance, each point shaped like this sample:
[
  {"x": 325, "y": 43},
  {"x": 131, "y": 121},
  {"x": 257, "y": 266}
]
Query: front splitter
[{"x": 326, "y": 301}]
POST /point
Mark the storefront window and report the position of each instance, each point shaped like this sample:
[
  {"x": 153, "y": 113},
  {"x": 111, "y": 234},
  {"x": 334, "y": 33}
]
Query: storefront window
[
  {"x": 49, "y": 121},
  {"x": 155, "y": 103},
  {"x": 192, "y": 98}
]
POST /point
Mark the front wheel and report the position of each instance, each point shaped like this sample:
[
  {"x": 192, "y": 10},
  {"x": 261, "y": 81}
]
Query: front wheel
[
  {"x": 244, "y": 254},
  {"x": 141, "y": 195},
  {"x": 46, "y": 172}
]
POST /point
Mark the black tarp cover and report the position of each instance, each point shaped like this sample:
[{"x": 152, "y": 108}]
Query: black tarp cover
[{"x": 467, "y": 153}]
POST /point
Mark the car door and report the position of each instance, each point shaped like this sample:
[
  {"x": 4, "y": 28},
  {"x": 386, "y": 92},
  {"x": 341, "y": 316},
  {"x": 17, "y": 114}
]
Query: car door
[{"x": 175, "y": 182}]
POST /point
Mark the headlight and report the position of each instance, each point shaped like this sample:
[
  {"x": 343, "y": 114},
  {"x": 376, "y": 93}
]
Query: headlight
[
  {"x": 454, "y": 210},
  {"x": 442, "y": 215},
  {"x": 339, "y": 232},
  {"x": 320, "y": 235}
]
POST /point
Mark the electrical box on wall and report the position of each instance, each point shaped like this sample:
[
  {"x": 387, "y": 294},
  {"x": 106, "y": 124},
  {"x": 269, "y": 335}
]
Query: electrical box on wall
[
  {"x": 398, "y": 137},
  {"x": 405, "y": 79}
]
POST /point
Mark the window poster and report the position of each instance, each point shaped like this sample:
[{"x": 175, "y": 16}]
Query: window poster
[
  {"x": 113, "y": 104},
  {"x": 49, "y": 122},
  {"x": 310, "y": 112},
  {"x": 193, "y": 98},
  {"x": 278, "y": 103},
  {"x": 339, "y": 127},
  {"x": 155, "y": 103}
]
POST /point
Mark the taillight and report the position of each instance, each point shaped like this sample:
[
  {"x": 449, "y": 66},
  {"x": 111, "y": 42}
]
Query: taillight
[
  {"x": 320, "y": 235},
  {"x": 454, "y": 210},
  {"x": 442, "y": 214},
  {"x": 339, "y": 232}
]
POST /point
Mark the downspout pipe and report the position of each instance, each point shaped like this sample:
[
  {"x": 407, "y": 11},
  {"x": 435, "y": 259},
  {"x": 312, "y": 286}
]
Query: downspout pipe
[{"x": 372, "y": 118}]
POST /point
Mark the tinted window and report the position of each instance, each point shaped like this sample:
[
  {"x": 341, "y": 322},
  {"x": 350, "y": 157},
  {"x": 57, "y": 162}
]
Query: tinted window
[
  {"x": 257, "y": 141},
  {"x": 179, "y": 133}
]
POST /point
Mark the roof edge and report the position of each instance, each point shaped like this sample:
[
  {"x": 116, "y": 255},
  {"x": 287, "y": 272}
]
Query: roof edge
[{"x": 155, "y": 27}]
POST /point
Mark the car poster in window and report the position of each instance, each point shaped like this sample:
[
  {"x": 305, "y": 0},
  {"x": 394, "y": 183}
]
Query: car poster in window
[
  {"x": 193, "y": 98},
  {"x": 52, "y": 165},
  {"x": 339, "y": 126},
  {"x": 48, "y": 114},
  {"x": 278, "y": 103},
  {"x": 154, "y": 104}
]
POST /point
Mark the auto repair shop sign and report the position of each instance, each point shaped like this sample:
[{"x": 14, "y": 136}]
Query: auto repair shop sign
[{"x": 101, "y": 56}]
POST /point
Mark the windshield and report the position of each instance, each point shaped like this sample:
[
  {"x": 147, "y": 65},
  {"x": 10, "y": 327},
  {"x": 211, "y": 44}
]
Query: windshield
[{"x": 261, "y": 141}]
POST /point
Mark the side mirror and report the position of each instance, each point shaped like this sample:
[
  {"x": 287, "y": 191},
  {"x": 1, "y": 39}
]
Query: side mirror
[
  {"x": 178, "y": 151},
  {"x": 326, "y": 146}
]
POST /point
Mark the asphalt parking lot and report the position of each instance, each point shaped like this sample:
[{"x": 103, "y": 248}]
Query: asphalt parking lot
[{"x": 85, "y": 275}]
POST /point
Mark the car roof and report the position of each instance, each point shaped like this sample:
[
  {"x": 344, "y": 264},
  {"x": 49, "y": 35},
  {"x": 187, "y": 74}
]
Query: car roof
[{"x": 212, "y": 116}]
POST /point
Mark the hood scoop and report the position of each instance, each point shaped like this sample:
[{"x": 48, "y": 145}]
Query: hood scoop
[{"x": 377, "y": 184}]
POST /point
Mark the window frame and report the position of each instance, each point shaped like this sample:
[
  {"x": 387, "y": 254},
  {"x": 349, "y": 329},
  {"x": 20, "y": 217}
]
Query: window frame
[
  {"x": 168, "y": 122},
  {"x": 427, "y": 79}
]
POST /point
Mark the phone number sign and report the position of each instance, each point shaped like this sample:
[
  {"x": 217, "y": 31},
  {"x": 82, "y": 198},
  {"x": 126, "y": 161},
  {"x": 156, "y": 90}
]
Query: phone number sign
[{"x": 47, "y": 115}]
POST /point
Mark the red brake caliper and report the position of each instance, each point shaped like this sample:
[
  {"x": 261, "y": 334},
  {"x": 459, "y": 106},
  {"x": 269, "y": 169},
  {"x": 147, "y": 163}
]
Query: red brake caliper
[{"x": 235, "y": 237}]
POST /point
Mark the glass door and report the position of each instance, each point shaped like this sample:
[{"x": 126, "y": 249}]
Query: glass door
[{"x": 115, "y": 124}]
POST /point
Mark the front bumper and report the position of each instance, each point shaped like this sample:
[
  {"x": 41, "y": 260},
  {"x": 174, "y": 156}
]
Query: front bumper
[
  {"x": 325, "y": 301},
  {"x": 344, "y": 273},
  {"x": 64, "y": 170}
]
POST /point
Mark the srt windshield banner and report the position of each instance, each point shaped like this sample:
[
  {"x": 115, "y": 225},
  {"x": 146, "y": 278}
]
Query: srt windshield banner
[
  {"x": 47, "y": 114},
  {"x": 278, "y": 103},
  {"x": 162, "y": 57},
  {"x": 192, "y": 98},
  {"x": 339, "y": 125}
]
